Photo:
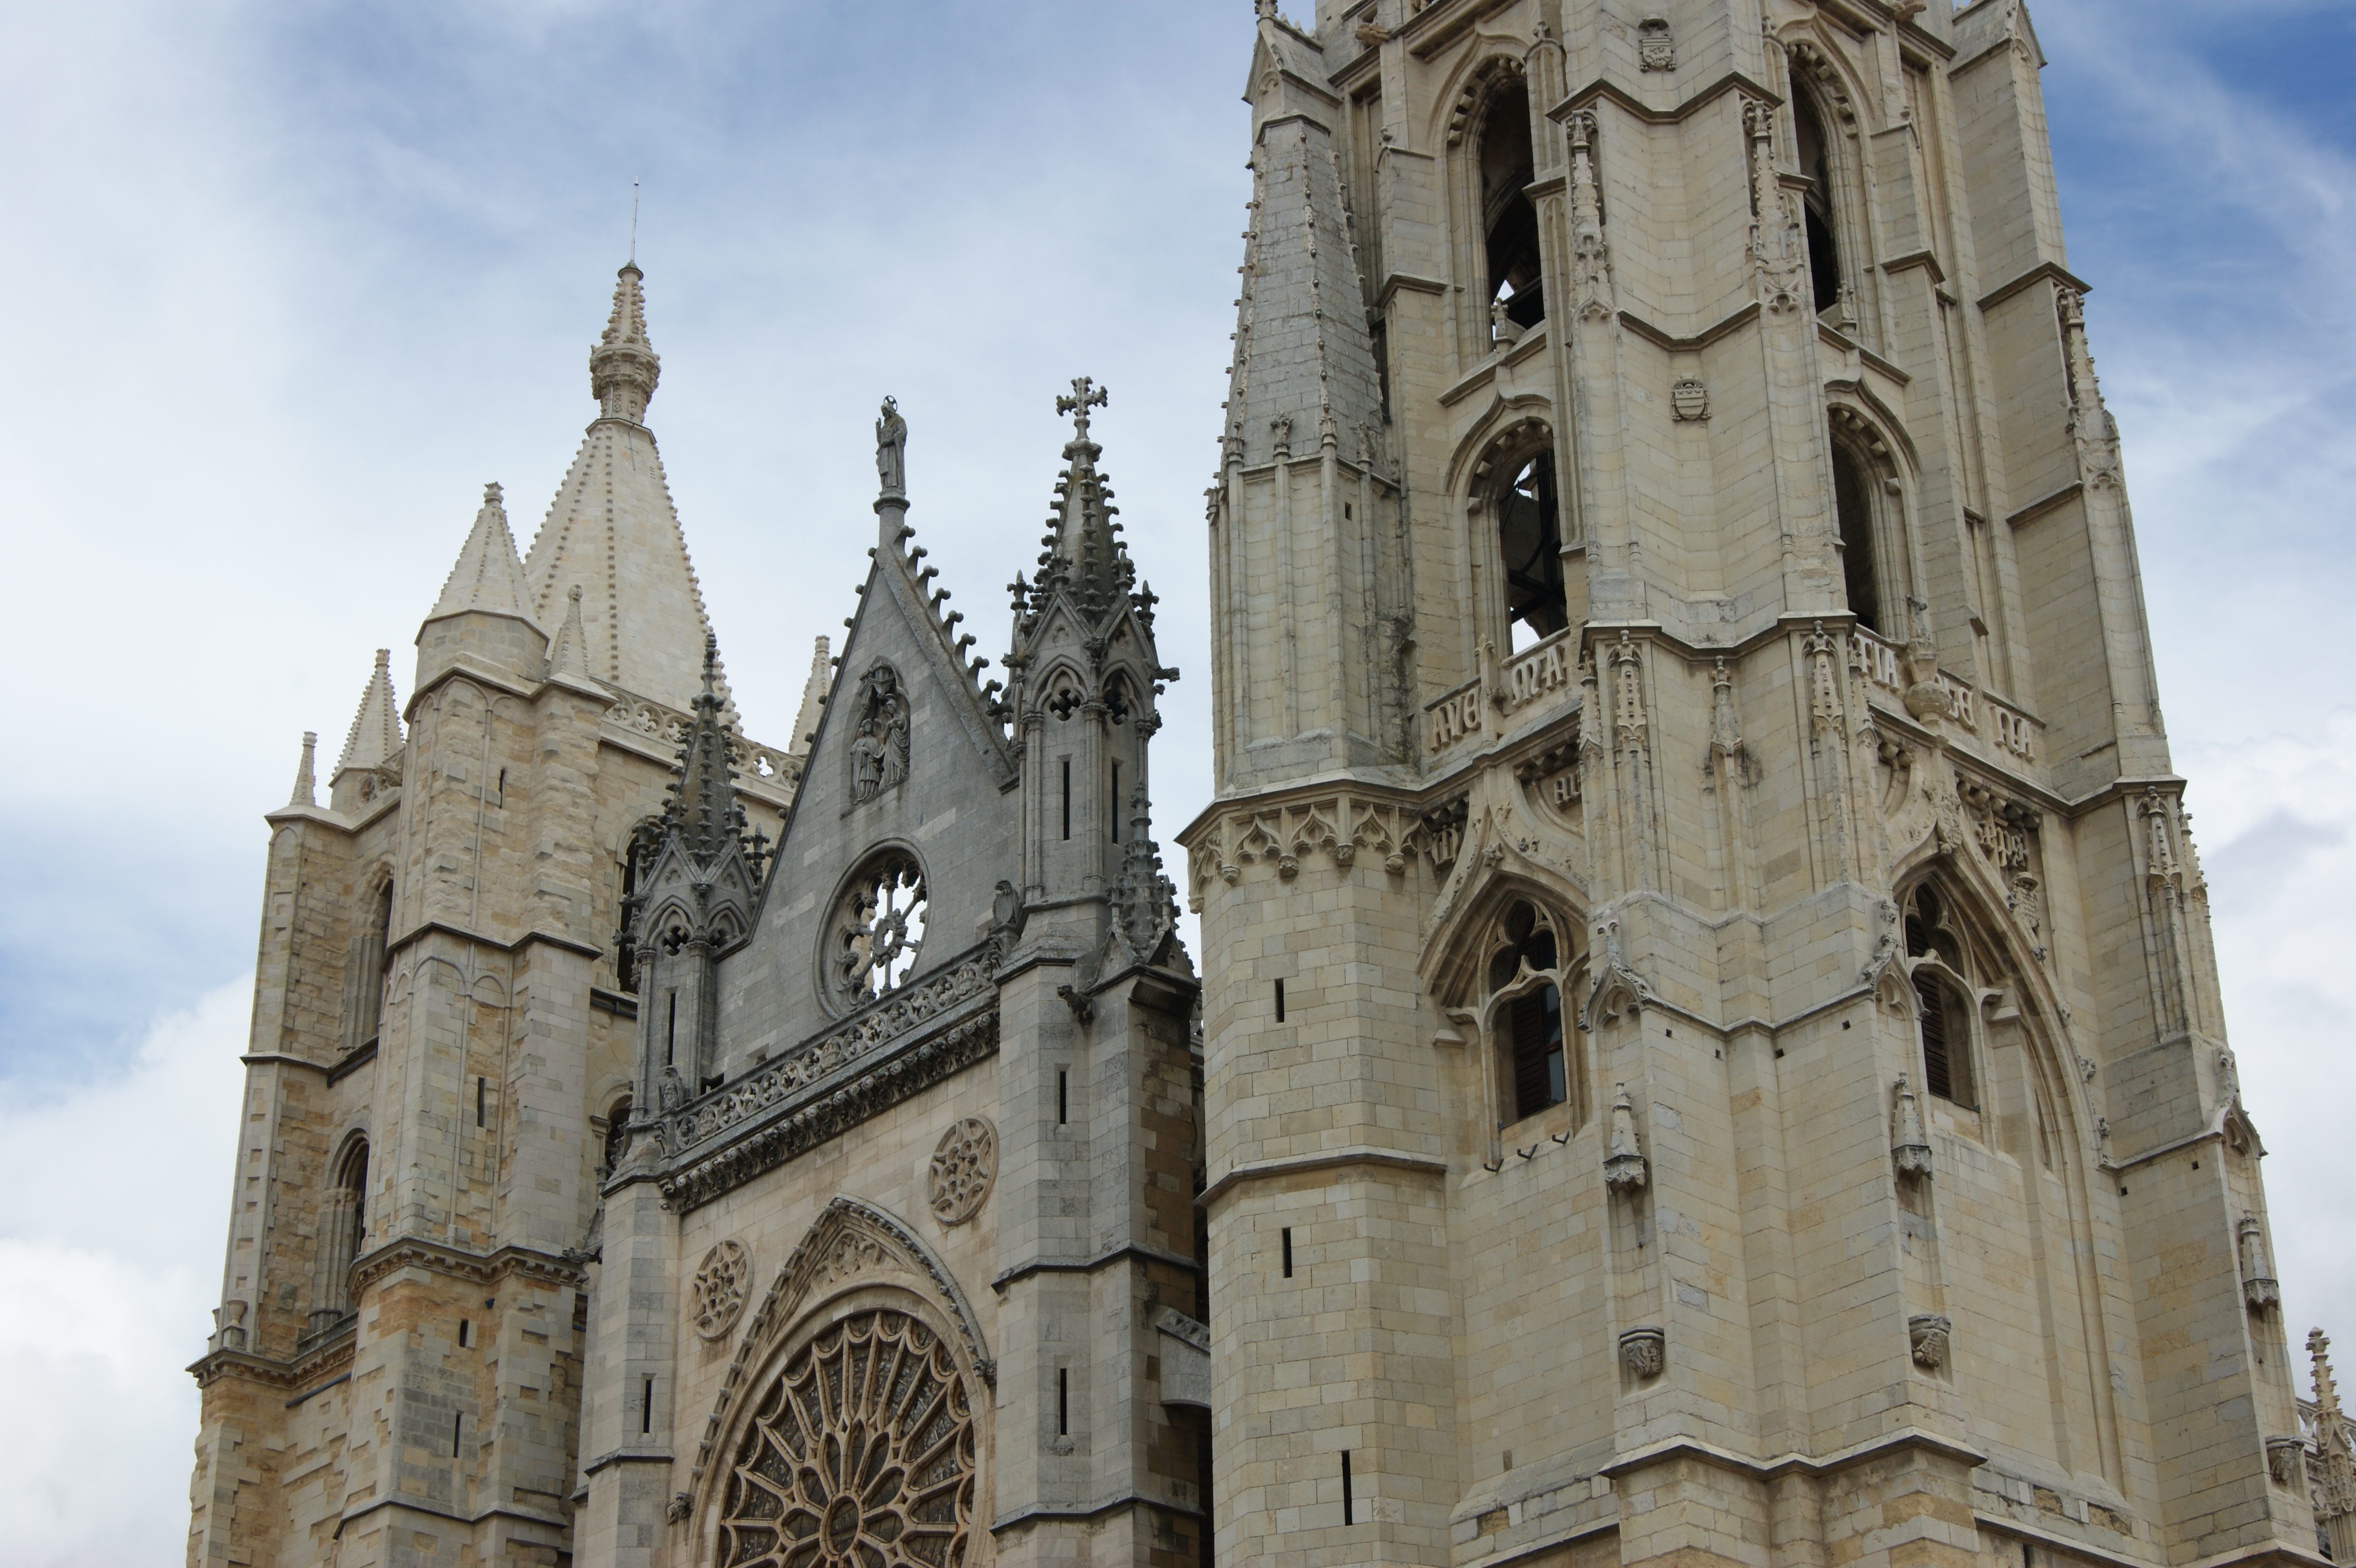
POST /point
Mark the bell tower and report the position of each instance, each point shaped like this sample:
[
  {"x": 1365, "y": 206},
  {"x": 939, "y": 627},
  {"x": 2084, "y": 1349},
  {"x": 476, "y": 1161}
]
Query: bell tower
[{"x": 1708, "y": 1010}]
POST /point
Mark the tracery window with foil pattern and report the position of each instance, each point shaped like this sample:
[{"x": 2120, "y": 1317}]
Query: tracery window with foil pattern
[
  {"x": 878, "y": 927},
  {"x": 862, "y": 1455}
]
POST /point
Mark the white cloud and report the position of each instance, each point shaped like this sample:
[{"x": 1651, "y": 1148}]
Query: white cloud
[
  {"x": 2277, "y": 819},
  {"x": 109, "y": 1267}
]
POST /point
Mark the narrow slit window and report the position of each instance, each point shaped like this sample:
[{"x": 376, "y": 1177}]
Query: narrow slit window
[
  {"x": 670, "y": 1032},
  {"x": 465, "y": 1333},
  {"x": 1115, "y": 818},
  {"x": 1067, "y": 797},
  {"x": 1284, "y": 1242},
  {"x": 1349, "y": 1511},
  {"x": 457, "y": 1430},
  {"x": 646, "y": 1407},
  {"x": 482, "y": 1090},
  {"x": 1279, "y": 1001},
  {"x": 1063, "y": 1402},
  {"x": 1062, "y": 1096}
]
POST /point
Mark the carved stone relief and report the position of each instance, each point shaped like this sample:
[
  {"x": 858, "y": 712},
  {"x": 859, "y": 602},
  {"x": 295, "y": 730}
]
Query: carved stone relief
[
  {"x": 1644, "y": 1352},
  {"x": 1689, "y": 401},
  {"x": 879, "y": 743},
  {"x": 965, "y": 1163},
  {"x": 1656, "y": 48},
  {"x": 1928, "y": 1334},
  {"x": 721, "y": 1283}
]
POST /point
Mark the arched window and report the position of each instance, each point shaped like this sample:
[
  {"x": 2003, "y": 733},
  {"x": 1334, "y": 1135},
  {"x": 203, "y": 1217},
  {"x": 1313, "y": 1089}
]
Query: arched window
[
  {"x": 1853, "y": 508},
  {"x": 342, "y": 1233},
  {"x": 1509, "y": 224},
  {"x": 1943, "y": 1020},
  {"x": 1529, "y": 545},
  {"x": 364, "y": 994},
  {"x": 353, "y": 1179},
  {"x": 1524, "y": 982},
  {"x": 1824, "y": 248},
  {"x": 626, "y": 958},
  {"x": 617, "y": 1136}
]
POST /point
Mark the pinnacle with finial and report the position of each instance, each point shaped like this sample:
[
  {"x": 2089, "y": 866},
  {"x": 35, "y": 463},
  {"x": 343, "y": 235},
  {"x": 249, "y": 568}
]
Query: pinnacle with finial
[
  {"x": 306, "y": 782},
  {"x": 1085, "y": 394}
]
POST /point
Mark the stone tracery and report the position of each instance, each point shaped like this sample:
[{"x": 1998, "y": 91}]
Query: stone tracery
[{"x": 862, "y": 1454}]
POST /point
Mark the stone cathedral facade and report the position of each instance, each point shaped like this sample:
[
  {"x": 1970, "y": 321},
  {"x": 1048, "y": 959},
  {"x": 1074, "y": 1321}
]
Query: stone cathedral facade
[{"x": 1707, "y": 1046}]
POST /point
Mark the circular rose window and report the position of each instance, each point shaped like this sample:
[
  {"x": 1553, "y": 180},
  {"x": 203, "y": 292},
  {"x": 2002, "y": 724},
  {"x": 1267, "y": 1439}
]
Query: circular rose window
[
  {"x": 878, "y": 926},
  {"x": 861, "y": 1456}
]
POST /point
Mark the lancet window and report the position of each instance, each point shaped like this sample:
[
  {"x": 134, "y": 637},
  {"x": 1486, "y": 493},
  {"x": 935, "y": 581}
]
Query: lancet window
[
  {"x": 364, "y": 994},
  {"x": 1853, "y": 509},
  {"x": 1816, "y": 203},
  {"x": 1940, "y": 961},
  {"x": 1509, "y": 224},
  {"x": 1530, "y": 548}
]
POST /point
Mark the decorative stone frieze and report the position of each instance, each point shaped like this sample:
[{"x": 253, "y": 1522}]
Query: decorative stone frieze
[
  {"x": 956, "y": 989},
  {"x": 803, "y": 1120}
]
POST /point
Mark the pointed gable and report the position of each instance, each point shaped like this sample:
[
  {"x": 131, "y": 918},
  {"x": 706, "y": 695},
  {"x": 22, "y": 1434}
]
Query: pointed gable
[
  {"x": 612, "y": 531},
  {"x": 909, "y": 761}
]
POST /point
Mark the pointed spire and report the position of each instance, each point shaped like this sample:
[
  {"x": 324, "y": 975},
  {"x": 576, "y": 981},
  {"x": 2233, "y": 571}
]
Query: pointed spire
[
  {"x": 1304, "y": 358},
  {"x": 813, "y": 701},
  {"x": 487, "y": 576},
  {"x": 624, "y": 366},
  {"x": 571, "y": 654},
  {"x": 376, "y": 727},
  {"x": 1082, "y": 550},
  {"x": 306, "y": 780},
  {"x": 702, "y": 810},
  {"x": 612, "y": 531}
]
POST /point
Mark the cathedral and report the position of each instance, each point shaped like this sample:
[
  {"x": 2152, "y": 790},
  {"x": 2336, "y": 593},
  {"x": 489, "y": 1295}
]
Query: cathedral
[{"x": 1705, "y": 1049}]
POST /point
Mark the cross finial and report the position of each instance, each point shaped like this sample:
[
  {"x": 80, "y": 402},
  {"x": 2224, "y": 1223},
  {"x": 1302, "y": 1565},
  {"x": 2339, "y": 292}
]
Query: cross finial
[{"x": 1085, "y": 394}]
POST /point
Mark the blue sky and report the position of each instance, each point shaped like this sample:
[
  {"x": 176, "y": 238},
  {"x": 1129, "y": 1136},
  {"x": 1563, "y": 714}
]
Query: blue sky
[{"x": 289, "y": 283}]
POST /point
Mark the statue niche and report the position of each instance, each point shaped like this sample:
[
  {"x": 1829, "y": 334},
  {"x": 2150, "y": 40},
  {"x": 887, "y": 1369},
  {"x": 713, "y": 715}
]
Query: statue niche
[{"x": 879, "y": 742}]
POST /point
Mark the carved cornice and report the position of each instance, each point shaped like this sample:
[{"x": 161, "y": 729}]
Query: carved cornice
[
  {"x": 271, "y": 1371},
  {"x": 478, "y": 1268},
  {"x": 952, "y": 994},
  {"x": 798, "y": 1121}
]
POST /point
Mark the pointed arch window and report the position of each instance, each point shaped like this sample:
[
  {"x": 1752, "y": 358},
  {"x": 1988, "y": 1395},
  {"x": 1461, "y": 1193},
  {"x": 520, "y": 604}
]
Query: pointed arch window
[
  {"x": 1529, "y": 547},
  {"x": 1816, "y": 205},
  {"x": 1523, "y": 980},
  {"x": 1854, "y": 511},
  {"x": 1939, "y": 959},
  {"x": 342, "y": 1233},
  {"x": 1509, "y": 224}
]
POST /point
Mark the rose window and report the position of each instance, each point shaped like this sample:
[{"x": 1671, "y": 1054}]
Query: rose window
[
  {"x": 862, "y": 1456},
  {"x": 878, "y": 929}
]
